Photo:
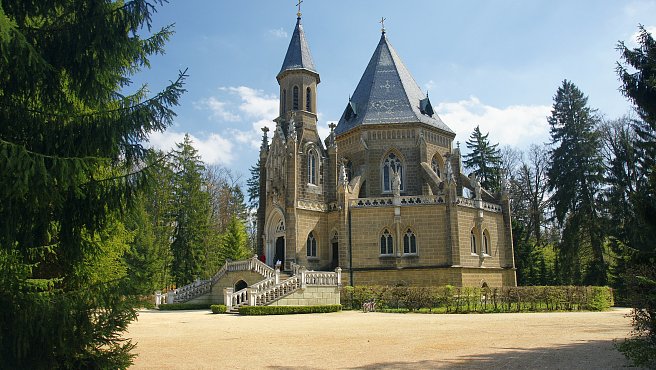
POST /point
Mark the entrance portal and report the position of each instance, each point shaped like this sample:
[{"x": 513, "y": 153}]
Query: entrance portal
[
  {"x": 335, "y": 261},
  {"x": 280, "y": 251}
]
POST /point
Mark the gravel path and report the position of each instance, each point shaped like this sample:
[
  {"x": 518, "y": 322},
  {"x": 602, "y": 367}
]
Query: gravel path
[{"x": 356, "y": 340}]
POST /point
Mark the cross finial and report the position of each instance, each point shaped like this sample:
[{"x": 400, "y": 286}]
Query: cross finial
[
  {"x": 299, "y": 8},
  {"x": 382, "y": 24}
]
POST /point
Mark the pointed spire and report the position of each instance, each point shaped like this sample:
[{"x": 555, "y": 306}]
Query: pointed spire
[
  {"x": 388, "y": 94},
  {"x": 298, "y": 53}
]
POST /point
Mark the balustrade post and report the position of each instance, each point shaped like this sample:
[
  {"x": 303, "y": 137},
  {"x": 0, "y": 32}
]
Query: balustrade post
[
  {"x": 338, "y": 270},
  {"x": 303, "y": 271},
  {"x": 252, "y": 301},
  {"x": 227, "y": 298},
  {"x": 277, "y": 276}
]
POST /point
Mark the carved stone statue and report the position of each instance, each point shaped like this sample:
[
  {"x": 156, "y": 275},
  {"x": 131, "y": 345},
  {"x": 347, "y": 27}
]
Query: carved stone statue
[
  {"x": 343, "y": 179},
  {"x": 396, "y": 183}
]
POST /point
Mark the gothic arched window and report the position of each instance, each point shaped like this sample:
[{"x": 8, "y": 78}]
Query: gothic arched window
[
  {"x": 473, "y": 241},
  {"x": 486, "y": 242},
  {"x": 295, "y": 98},
  {"x": 311, "y": 245},
  {"x": 308, "y": 100},
  {"x": 386, "y": 243},
  {"x": 409, "y": 242},
  {"x": 435, "y": 165},
  {"x": 284, "y": 101},
  {"x": 391, "y": 164},
  {"x": 312, "y": 167}
]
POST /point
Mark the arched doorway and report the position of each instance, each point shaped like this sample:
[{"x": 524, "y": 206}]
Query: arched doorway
[
  {"x": 241, "y": 284},
  {"x": 280, "y": 251},
  {"x": 334, "y": 244},
  {"x": 275, "y": 238}
]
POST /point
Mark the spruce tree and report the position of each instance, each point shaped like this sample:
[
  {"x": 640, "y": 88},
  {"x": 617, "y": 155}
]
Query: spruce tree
[
  {"x": 191, "y": 214},
  {"x": 253, "y": 184},
  {"x": 234, "y": 241},
  {"x": 575, "y": 178},
  {"x": 638, "y": 77},
  {"x": 484, "y": 160},
  {"x": 70, "y": 156}
]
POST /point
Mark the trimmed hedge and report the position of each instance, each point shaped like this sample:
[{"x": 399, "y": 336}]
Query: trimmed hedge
[
  {"x": 449, "y": 299},
  {"x": 286, "y": 310},
  {"x": 183, "y": 306},
  {"x": 218, "y": 308}
]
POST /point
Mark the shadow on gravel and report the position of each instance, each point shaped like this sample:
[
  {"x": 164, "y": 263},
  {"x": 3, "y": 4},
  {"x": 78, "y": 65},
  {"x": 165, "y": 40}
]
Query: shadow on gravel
[{"x": 584, "y": 355}]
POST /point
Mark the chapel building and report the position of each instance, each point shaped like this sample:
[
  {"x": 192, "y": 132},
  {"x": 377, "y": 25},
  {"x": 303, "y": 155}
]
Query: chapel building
[{"x": 384, "y": 196}]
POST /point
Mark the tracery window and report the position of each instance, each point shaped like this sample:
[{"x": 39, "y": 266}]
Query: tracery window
[
  {"x": 435, "y": 165},
  {"x": 486, "y": 242},
  {"x": 312, "y": 167},
  {"x": 391, "y": 164},
  {"x": 284, "y": 101},
  {"x": 409, "y": 242},
  {"x": 308, "y": 99},
  {"x": 473, "y": 241},
  {"x": 386, "y": 243},
  {"x": 295, "y": 98},
  {"x": 311, "y": 245}
]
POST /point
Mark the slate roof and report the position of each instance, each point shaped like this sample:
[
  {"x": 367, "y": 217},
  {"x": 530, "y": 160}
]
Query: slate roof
[
  {"x": 387, "y": 93},
  {"x": 298, "y": 53}
]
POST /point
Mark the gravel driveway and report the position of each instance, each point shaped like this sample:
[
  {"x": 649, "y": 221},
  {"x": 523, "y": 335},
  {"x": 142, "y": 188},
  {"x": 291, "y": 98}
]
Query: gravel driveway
[{"x": 356, "y": 340}]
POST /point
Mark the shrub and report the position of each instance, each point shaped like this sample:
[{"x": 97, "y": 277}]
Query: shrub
[
  {"x": 286, "y": 310},
  {"x": 183, "y": 306},
  {"x": 218, "y": 308},
  {"x": 469, "y": 299}
]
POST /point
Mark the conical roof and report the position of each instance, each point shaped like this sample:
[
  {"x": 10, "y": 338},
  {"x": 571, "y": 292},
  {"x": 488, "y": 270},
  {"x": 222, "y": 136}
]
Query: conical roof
[
  {"x": 386, "y": 94},
  {"x": 298, "y": 53}
]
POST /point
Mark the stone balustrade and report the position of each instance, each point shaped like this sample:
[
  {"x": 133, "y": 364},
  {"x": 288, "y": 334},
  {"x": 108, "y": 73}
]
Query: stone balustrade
[
  {"x": 474, "y": 203},
  {"x": 200, "y": 287},
  {"x": 272, "y": 289},
  {"x": 401, "y": 201}
]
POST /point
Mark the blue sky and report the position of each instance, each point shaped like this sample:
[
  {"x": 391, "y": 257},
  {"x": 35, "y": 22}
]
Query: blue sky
[{"x": 496, "y": 64}]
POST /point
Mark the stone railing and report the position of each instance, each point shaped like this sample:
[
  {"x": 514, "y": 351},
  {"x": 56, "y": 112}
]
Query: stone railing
[
  {"x": 271, "y": 289},
  {"x": 402, "y": 201},
  {"x": 474, "y": 203},
  {"x": 200, "y": 287}
]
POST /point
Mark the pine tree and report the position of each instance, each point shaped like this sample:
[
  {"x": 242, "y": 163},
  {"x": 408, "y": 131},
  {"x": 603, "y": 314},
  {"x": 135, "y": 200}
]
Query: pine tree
[
  {"x": 638, "y": 76},
  {"x": 253, "y": 184},
  {"x": 70, "y": 143},
  {"x": 191, "y": 214},
  {"x": 484, "y": 160},
  {"x": 575, "y": 177},
  {"x": 234, "y": 241}
]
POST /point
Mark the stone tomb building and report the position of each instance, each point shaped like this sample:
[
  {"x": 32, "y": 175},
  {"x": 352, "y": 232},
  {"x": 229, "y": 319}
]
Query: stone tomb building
[{"x": 383, "y": 196}]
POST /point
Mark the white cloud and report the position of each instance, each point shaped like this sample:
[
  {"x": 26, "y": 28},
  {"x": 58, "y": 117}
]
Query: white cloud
[
  {"x": 428, "y": 86},
  {"x": 218, "y": 109},
  {"x": 213, "y": 150},
  {"x": 279, "y": 33},
  {"x": 515, "y": 125}
]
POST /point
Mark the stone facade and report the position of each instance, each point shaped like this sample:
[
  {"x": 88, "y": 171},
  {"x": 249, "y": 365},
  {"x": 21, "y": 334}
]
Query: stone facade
[{"x": 384, "y": 196}]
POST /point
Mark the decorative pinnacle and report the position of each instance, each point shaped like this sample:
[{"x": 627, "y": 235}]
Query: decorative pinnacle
[
  {"x": 332, "y": 126},
  {"x": 382, "y": 24},
  {"x": 299, "y": 8}
]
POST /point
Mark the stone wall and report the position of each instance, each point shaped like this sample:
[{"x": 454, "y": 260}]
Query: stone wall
[{"x": 310, "y": 296}]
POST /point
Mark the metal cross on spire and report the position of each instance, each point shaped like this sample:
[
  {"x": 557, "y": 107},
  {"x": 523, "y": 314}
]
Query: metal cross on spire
[
  {"x": 299, "y": 8},
  {"x": 382, "y": 24}
]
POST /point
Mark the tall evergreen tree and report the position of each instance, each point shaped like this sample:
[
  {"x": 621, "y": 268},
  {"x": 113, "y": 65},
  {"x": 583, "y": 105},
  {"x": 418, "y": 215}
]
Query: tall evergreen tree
[
  {"x": 68, "y": 141},
  {"x": 253, "y": 184},
  {"x": 234, "y": 241},
  {"x": 575, "y": 177},
  {"x": 484, "y": 160},
  {"x": 638, "y": 76},
  {"x": 191, "y": 212}
]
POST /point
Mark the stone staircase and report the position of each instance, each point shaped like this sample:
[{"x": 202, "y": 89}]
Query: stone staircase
[{"x": 274, "y": 286}]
